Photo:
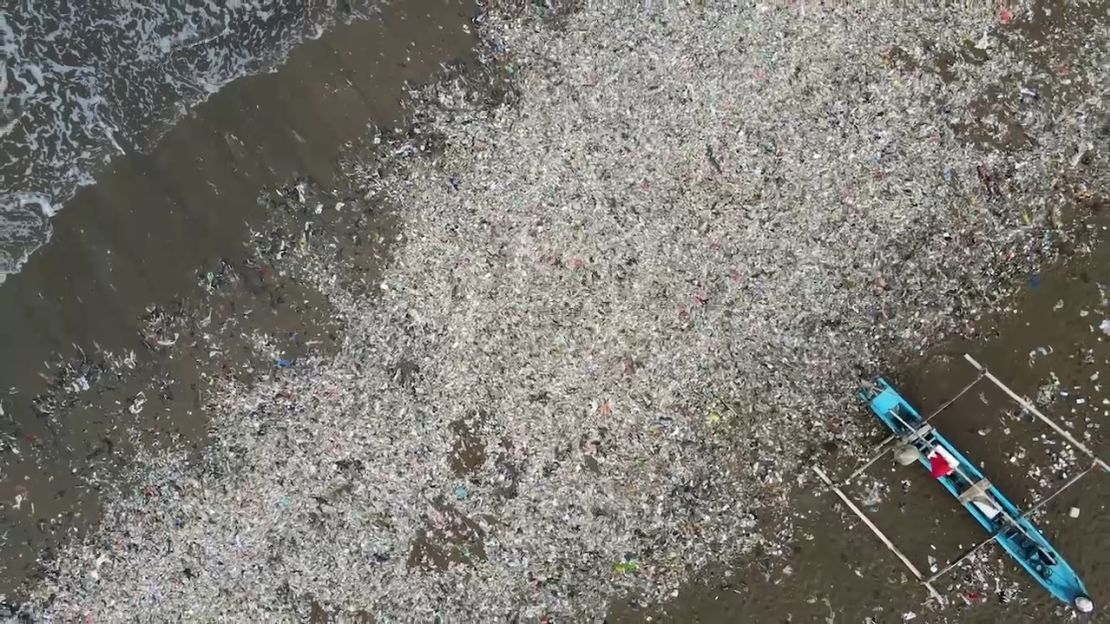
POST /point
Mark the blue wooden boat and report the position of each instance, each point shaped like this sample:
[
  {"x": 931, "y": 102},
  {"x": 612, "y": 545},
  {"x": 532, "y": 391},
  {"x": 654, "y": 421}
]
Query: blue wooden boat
[{"x": 1002, "y": 520}]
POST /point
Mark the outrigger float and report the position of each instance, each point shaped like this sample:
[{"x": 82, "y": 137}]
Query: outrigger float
[{"x": 914, "y": 440}]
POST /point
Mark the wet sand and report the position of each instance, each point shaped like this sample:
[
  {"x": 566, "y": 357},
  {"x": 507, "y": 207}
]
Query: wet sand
[{"x": 151, "y": 231}]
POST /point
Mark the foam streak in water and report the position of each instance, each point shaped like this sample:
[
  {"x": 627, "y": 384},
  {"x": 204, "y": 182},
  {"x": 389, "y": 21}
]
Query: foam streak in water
[{"x": 82, "y": 82}]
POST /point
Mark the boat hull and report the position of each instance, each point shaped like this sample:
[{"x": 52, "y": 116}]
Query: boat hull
[{"x": 1017, "y": 534}]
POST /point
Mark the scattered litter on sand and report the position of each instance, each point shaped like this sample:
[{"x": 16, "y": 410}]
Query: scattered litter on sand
[{"x": 628, "y": 301}]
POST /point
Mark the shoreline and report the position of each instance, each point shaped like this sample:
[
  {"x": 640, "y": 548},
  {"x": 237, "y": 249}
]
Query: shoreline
[
  {"x": 64, "y": 118},
  {"x": 575, "y": 371},
  {"x": 153, "y": 287}
]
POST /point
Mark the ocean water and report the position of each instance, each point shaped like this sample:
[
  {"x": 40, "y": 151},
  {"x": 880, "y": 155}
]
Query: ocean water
[{"x": 81, "y": 82}]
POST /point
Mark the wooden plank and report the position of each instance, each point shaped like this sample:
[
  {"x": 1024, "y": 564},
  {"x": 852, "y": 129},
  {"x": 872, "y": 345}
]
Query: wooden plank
[
  {"x": 878, "y": 533},
  {"x": 1033, "y": 410}
]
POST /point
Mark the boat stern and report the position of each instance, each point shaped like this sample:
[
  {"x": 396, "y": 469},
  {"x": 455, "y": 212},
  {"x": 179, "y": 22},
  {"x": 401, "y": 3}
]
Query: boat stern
[
  {"x": 1083, "y": 604},
  {"x": 1065, "y": 584},
  {"x": 1045, "y": 564}
]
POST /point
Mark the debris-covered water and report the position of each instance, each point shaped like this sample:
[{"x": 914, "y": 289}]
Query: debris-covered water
[
  {"x": 152, "y": 283},
  {"x": 634, "y": 265},
  {"x": 833, "y": 567}
]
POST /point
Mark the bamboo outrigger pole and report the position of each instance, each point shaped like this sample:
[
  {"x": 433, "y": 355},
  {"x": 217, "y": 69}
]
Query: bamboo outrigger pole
[
  {"x": 878, "y": 533},
  {"x": 1027, "y": 513},
  {"x": 881, "y": 450},
  {"x": 1033, "y": 410}
]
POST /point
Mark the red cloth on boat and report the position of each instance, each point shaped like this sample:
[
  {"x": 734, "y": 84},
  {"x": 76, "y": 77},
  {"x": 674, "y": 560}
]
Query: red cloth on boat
[{"x": 940, "y": 466}]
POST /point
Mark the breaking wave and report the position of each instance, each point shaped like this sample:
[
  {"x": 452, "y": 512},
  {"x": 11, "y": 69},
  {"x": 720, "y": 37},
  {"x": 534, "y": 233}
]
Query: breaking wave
[{"x": 83, "y": 82}]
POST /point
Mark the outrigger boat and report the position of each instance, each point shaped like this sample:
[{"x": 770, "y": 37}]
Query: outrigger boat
[{"x": 914, "y": 440}]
